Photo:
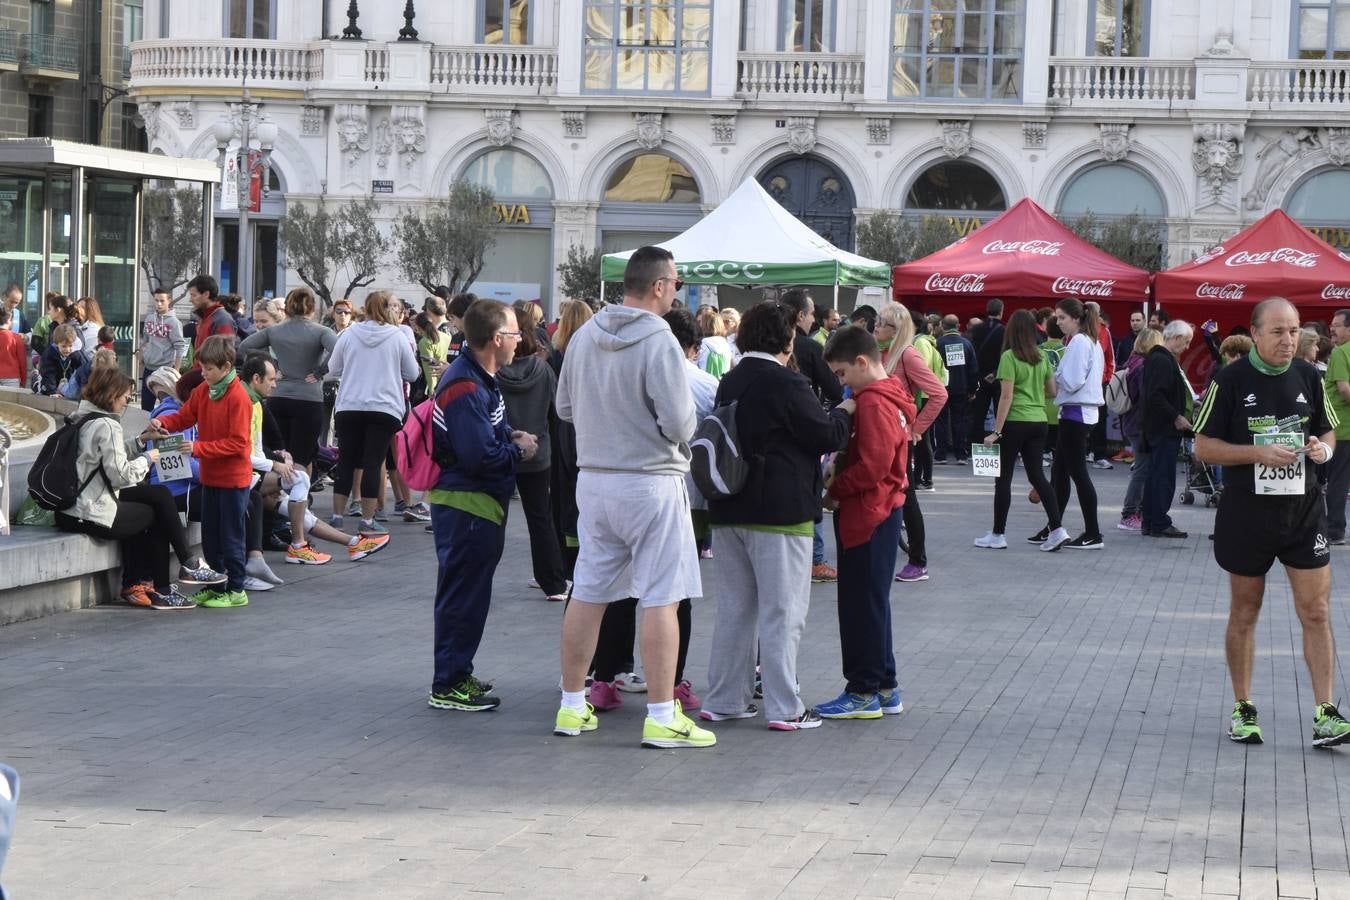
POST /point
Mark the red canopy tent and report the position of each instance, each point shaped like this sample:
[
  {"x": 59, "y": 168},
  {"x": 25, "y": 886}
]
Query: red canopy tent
[
  {"x": 1274, "y": 256},
  {"x": 1027, "y": 258}
]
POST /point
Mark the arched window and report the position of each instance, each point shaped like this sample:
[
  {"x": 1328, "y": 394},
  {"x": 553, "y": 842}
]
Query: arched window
[
  {"x": 1323, "y": 197},
  {"x": 956, "y": 186},
  {"x": 510, "y": 173},
  {"x": 651, "y": 178},
  {"x": 1114, "y": 189}
]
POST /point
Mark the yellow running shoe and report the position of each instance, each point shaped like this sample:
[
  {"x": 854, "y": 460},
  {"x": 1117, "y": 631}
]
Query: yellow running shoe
[
  {"x": 571, "y": 723},
  {"x": 683, "y": 732}
]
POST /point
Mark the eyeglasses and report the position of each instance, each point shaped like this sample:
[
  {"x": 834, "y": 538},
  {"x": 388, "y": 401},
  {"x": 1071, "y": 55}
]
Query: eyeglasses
[
  {"x": 678, "y": 283},
  {"x": 514, "y": 334},
  {"x": 342, "y": 312}
]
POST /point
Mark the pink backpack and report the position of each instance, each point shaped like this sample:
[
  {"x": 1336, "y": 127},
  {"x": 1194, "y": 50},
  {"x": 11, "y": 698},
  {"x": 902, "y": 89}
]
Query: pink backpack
[{"x": 413, "y": 448}]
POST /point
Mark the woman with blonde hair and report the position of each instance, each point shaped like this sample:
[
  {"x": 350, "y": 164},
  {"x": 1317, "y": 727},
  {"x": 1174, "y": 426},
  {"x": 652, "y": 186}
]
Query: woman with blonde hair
[
  {"x": 573, "y": 315},
  {"x": 1131, "y": 425},
  {"x": 731, "y": 318},
  {"x": 299, "y": 345},
  {"x": 90, "y": 315},
  {"x": 894, "y": 332},
  {"x": 373, "y": 361},
  {"x": 715, "y": 355}
]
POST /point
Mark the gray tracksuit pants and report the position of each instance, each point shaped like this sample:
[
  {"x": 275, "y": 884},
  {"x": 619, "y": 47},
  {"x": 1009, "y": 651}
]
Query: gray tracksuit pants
[{"x": 763, "y": 585}]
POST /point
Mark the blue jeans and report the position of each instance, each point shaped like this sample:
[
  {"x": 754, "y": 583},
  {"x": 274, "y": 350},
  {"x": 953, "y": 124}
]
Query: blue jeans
[
  {"x": 866, "y": 575},
  {"x": 818, "y": 544},
  {"x": 223, "y": 544},
  {"x": 1160, "y": 482},
  {"x": 468, "y": 549},
  {"x": 1134, "y": 491}
]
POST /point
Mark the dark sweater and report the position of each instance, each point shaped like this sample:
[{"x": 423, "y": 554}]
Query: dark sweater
[
  {"x": 987, "y": 340},
  {"x": 783, "y": 432},
  {"x": 1164, "y": 394},
  {"x": 811, "y": 363}
]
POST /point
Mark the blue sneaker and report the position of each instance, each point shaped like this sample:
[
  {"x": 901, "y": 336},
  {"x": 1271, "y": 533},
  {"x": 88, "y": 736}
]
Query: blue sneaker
[
  {"x": 890, "y": 702},
  {"x": 851, "y": 706}
]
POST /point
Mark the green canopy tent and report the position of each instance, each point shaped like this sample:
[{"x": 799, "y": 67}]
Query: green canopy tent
[{"x": 750, "y": 239}]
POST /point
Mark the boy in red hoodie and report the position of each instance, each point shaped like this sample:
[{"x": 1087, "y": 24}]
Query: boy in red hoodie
[
  {"x": 223, "y": 413},
  {"x": 869, "y": 493},
  {"x": 13, "y": 354}
]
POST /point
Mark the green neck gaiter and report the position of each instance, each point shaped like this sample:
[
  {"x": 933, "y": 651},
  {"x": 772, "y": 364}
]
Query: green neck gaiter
[
  {"x": 1264, "y": 367},
  {"x": 218, "y": 389}
]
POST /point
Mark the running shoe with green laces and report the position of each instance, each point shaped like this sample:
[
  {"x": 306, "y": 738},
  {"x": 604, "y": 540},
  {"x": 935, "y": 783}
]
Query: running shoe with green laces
[
  {"x": 1330, "y": 729},
  {"x": 1244, "y": 729},
  {"x": 677, "y": 735},
  {"x": 570, "y": 723},
  {"x": 206, "y": 595},
  {"x": 467, "y": 695},
  {"x": 225, "y": 600}
]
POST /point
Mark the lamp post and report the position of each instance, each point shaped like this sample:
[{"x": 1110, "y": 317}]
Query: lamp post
[{"x": 223, "y": 131}]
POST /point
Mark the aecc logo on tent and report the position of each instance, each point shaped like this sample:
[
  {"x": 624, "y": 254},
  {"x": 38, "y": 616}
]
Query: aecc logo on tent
[{"x": 729, "y": 270}]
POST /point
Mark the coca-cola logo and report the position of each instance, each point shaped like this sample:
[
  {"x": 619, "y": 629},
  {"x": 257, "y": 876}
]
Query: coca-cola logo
[
  {"x": 1303, "y": 259},
  {"x": 955, "y": 284},
  {"x": 1228, "y": 291},
  {"x": 1336, "y": 292},
  {"x": 1039, "y": 248},
  {"x": 1214, "y": 253},
  {"x": 1083, "y": 287}
]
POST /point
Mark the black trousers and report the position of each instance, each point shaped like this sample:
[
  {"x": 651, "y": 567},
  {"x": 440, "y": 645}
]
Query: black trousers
[
  {"x": 363, "y": 439},
  {"x": 986, "y": 396},
  {"x": 1025, "y": 439},
  {"x": 1071, "y": 464},
  {"x": 915, "y": 534},
  {"x": 922, "y": 454},
  {"x": 300, "y": 422},
  {"x": 545, "y": 554},
  {"x": 618, "y": 629},
  {"x": 952, "y": 427},
  {"x": 147, "y": 526}
]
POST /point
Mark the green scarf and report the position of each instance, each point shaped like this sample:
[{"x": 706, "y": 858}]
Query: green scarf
[
  {"x": 218, "y": 389},
  {"x": 252, "y": 394},
  {"x": 1264, "y": 367},
  {"x": 886, "y": 344}
]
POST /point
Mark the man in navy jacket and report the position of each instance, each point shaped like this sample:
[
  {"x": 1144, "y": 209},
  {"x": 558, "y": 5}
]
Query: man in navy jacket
[
  {"x": 478, "y": 453},
  {"x": 963, "y": 380}
]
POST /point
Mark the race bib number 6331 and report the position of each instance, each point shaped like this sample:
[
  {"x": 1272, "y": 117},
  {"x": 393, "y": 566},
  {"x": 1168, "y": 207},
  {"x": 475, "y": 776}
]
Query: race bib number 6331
[{"x": 1278, "y": 481}]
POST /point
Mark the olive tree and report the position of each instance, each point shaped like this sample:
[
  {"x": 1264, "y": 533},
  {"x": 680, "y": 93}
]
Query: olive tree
[
  {"x": 329, "y": 249},
  {"x": 446, "y": 244}
]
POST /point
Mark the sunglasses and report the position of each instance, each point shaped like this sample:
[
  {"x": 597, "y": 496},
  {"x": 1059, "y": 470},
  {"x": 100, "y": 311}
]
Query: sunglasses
[{"x": 678, "y": 283}]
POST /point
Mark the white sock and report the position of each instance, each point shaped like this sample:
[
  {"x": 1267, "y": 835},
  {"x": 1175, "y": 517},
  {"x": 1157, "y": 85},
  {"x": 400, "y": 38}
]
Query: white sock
[
  {"x": 296, "y": 546},
  {"x": 353, "y": 542},
  {"x": 574, "y": 700},
  {"x": 664, "y": 713}
]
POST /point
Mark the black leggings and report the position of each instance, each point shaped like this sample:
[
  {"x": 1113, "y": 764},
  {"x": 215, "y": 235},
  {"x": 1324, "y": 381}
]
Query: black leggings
[
  {"x": 922, "y": 454},
  {"x": 915, "y": 534},
  {"x": 147, "y": 525},
  {"x": 1026, "y": 439},
  {"x": 614, "y": 649},
  {"x": 1071, "y": 463},
  {"x": 363, "y": 438},
  {"x": 300, "y": 422},
  {"x": 545, "y": 555}
]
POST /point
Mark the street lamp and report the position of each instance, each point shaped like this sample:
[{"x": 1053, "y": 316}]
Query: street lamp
[{"x": 223, "y": 130}]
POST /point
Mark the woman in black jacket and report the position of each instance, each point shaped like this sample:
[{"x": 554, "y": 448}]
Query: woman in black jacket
[{"x": 763, "y": 562}]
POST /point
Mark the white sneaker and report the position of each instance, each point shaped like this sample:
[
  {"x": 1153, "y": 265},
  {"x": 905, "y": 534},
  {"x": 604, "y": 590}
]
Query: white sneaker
[
  {"x": 261, "y": 571},
  {"x": 630, "y": 683},
  {"x": 1102, "y": 463},
  {"x": 1056, "y": 539},
  {"x": 257, "y": 584},
  {"x": 992, "y": 541}
]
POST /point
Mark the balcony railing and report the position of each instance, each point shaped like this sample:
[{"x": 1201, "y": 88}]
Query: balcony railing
[
  {"x": 9, "y": 46},
  {"x": 1100, "y": 79},
  {"x": 800, "y": 75},
  {"x": 494, "y": 68},
  {"x": 256, "y": 63},
  {"x": 1300, "y": 82},
  {"x": 48, "y": 51}
]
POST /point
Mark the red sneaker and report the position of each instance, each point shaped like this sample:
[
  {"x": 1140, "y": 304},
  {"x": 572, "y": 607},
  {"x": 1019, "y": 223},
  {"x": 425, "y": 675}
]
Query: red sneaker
[{"x": 604, "y": 696}]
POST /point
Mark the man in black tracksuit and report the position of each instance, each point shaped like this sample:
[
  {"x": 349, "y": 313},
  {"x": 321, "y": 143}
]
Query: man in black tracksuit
[
  {"x": 962, "y": 382},
  {"x": 987, "y": 339}
]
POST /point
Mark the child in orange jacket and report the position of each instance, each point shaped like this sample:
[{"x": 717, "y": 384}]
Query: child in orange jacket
[
  {"x": 222, "y": 411},
  {"x": 869, "y": 493}
]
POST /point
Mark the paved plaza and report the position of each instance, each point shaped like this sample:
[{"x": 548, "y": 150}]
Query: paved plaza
[{"x": 1064, "y": 736}]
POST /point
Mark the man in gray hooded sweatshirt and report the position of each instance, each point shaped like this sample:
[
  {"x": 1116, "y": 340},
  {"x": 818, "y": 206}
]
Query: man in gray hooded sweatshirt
[{"x": 623, "y": 386}]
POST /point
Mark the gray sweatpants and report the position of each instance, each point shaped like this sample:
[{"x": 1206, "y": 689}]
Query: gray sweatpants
[{"x": 763, "y": 587}]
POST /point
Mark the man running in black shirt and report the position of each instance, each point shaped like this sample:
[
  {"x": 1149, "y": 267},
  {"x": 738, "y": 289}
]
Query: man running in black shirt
[{"x": 1261, "y": 418}]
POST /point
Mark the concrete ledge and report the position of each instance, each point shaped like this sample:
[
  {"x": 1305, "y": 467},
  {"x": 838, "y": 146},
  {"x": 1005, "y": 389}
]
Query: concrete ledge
[{"x": 45, "y": 571}]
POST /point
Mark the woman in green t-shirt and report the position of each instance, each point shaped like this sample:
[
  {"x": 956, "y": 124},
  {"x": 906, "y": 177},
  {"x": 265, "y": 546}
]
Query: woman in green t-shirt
[{"x": 1025, "y": 377}]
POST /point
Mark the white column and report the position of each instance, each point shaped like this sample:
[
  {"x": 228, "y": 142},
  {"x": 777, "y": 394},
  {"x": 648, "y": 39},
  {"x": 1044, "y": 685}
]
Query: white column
[
  {"x": 876, "y": 50},
  {"x": 570, "y": 25},
  {"x": 1036, "y": 54},
  {"x": 726, "y": 39}
]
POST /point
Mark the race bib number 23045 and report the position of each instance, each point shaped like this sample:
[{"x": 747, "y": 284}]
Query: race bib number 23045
[{"x": 1279, "y": 481}]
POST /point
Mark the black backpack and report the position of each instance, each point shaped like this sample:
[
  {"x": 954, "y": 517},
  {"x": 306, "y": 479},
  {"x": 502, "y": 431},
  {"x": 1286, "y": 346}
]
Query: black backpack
[
  {"x": 54, "y": 481},
  {"x": 718, "y": 466}
]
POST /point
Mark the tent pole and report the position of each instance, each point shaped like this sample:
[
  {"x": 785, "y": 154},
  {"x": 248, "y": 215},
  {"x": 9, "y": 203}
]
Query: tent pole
[
  {"x": 602, "y": 290},
  {"x": 836, "y": 293}
]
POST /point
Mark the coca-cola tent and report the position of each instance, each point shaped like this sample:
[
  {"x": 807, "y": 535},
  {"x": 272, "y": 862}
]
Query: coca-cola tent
[
  {"x": 1274, "y": 256},
  {"x": 1027, "y": 258}
]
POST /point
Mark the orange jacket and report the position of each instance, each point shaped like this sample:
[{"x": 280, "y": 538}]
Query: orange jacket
[{"x": 223, "y": 428}]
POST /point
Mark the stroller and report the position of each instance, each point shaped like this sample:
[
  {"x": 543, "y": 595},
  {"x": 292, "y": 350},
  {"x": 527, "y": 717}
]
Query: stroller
[{"x": 1200, "y": 477}]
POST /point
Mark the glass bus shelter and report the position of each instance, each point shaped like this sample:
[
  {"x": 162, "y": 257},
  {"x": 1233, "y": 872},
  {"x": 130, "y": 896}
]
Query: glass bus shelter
[{"x": 70, "y": 221}]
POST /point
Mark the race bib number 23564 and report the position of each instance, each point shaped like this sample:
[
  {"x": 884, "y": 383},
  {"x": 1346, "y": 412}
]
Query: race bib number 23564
[{"x": 1279, "y": 481}]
